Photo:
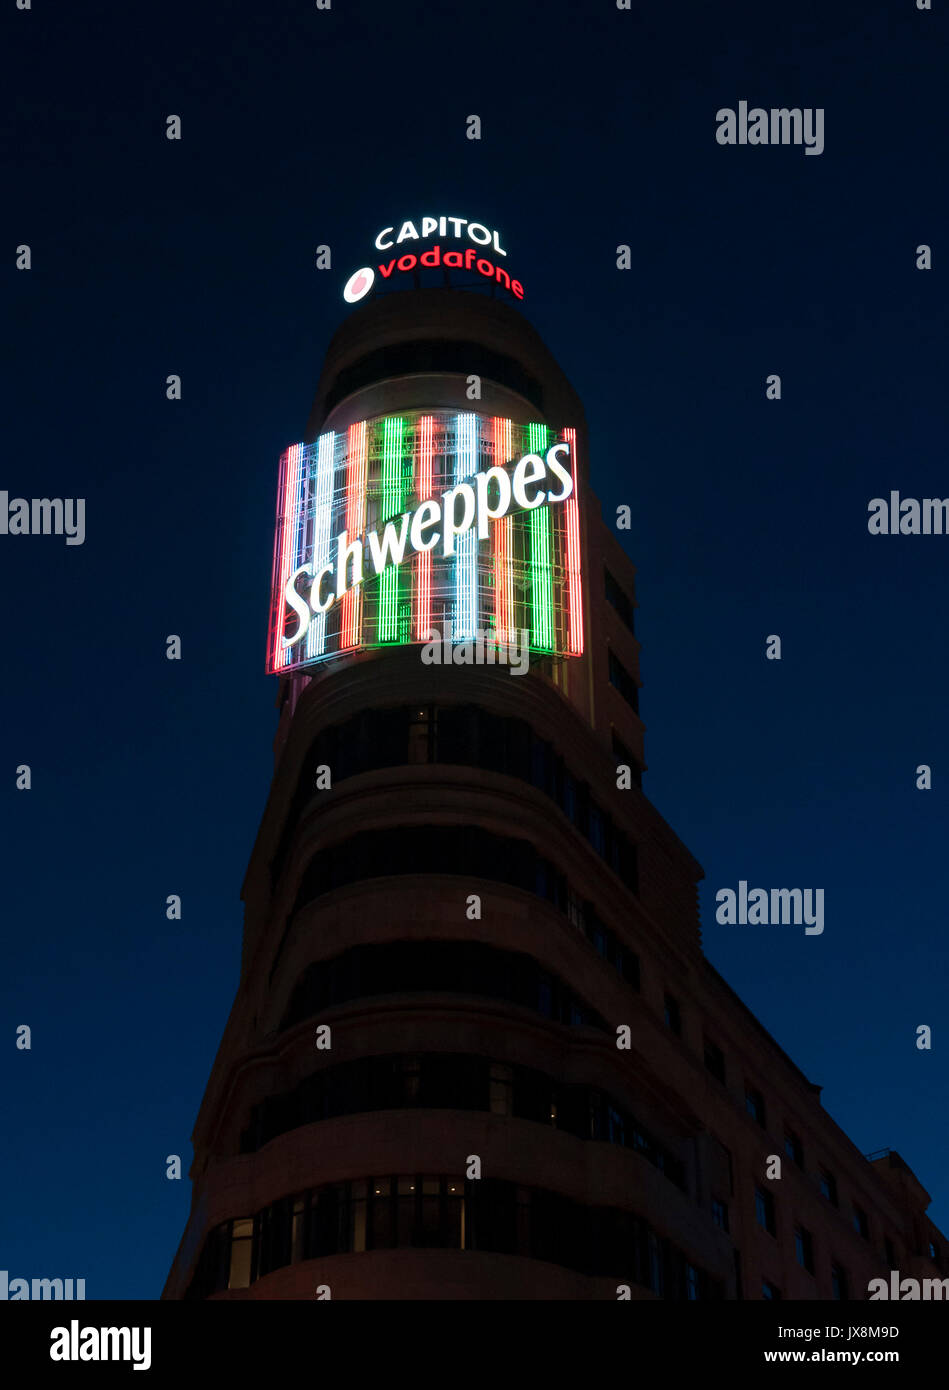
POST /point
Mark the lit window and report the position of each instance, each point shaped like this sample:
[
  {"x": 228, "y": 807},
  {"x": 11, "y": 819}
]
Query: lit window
[
  {"x": 242, "y": 1245},
  {"x": 297, "y": 1229},
  {"x": 358, "y": 1191}
]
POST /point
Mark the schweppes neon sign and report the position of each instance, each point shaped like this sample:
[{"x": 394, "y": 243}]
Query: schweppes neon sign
[{"x": 404, "y": 522}]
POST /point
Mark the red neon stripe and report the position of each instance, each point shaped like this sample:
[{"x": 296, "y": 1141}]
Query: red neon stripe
[
  {"x": 575, "y": 590},
  {"x": 503, "y": 573},
  {"x": 423, "y": 569},
  {"x": 288, "y": 470}
]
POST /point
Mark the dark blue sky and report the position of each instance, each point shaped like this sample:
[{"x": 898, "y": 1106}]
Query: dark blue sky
[{"x": 152, "y": 257}]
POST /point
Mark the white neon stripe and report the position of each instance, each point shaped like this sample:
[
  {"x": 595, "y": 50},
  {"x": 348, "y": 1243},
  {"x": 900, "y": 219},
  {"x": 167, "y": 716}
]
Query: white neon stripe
[
  {"x": 465, "y": 623},
  {"x": 322, "y": 521}
]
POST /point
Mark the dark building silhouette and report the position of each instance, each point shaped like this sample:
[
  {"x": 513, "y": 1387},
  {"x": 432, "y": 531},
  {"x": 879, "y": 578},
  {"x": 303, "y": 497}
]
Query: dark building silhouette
[{"x": 457, "y": 1033}]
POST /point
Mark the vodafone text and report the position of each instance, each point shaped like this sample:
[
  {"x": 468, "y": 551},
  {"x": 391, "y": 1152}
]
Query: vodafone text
[
  {"x": 433, "y": 258},
  {"x": 466, "y": 505}
]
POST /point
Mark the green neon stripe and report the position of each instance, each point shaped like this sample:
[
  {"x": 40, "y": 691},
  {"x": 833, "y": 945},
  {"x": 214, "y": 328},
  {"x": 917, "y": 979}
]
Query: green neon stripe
[
  {"x": 536, "y": 438},
  {"x": 393, "y": 498},
  {"x": 541, "y": 571}
]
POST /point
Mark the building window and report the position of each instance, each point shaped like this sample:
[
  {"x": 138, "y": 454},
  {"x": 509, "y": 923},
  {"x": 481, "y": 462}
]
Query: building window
[
  {"x": 502, "y": 1087},
  {"x": 769, "y": 1290},
  {"x": 422, "y": 737},
  {"x": 890, "y": 1253},
  {"x": 617, "y": 597},
  {"x": 654, "y": 1275},
  {"x": 242, "y": 1245},
  {"x": 933, "y": 1251},
  {"x": 731, "y": 1166},
  {"x": 424, "y": 1211},
  {"x": 569, "y": 802},
  {"x": 622, "y": 681},
  {"x": 673, "y": 1015},
  {"x": 597, "y": 835},
  {"x": 764, "y": 1211},
  {"x": 828, "y": 1187},
  {"x": 624, "y": 756},
  {"x": 715, "y": 1060},
  {"x": 804, "y": 1248},
  {"x": 793, "y": 1147},
  {"x": 720, "y": 1213},
  {"x": 838, "y": 1280},
  {"x": 627, "y": 963},
  {"x": 754, "y": 1104},
  {"x": 297, "y": 1230},
  {"x": 861, "y": 1222},
  {"x": 616, "y": 1126}
]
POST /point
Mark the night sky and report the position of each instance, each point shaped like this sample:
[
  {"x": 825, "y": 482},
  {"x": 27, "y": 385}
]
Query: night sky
[{"x": 196, "y": 257}]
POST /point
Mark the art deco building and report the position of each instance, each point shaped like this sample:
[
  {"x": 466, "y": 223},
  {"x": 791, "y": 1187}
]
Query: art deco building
[{"x": 455, "y": 901}]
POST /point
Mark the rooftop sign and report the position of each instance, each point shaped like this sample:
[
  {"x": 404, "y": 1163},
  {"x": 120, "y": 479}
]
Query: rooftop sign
[{"x": 406, "y": 256}]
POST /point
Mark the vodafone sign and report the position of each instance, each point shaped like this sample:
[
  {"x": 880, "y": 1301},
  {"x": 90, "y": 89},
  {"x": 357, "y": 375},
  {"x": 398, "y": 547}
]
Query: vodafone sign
[
  {"x": 406, "y": 257},
  {"x": 359, "y": 284}
]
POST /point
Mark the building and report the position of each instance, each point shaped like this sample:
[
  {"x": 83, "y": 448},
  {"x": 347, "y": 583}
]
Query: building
[{"x": 459, "y": 893}]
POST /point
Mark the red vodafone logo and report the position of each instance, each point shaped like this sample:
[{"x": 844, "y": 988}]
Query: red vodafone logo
[{"x": 359, "y": 284}]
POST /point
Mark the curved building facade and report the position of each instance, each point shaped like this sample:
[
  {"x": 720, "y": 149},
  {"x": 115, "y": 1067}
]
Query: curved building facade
[{"x": 476, "y": 1051}]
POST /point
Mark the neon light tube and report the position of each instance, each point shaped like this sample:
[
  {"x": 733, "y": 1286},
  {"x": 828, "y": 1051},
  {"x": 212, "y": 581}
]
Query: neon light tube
[
  {"x": 574, "y": 577},
  {"x": 322, "y": 522},
  {"x": 422, "y": 618},
  {"x": 355, "y": 525},
  {"x": 541, "y": 568},
  {"x": 391, "y": 505},
  {"x": 466, "y": 563},
  {"x": 503, "y": 544}
]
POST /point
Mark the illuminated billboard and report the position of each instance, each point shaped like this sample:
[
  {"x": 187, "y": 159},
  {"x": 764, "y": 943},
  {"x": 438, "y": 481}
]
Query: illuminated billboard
[
  {"x": 401, "y": 260},
  {"x": 403, "y": 525}
]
